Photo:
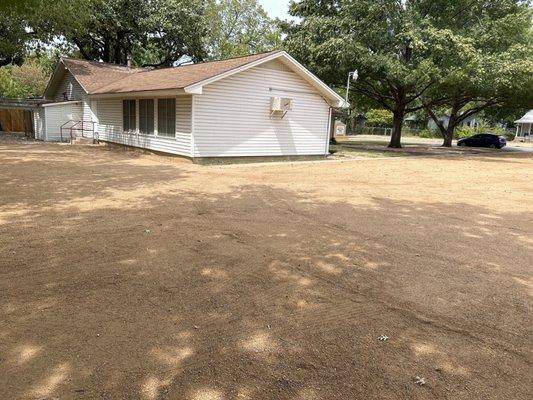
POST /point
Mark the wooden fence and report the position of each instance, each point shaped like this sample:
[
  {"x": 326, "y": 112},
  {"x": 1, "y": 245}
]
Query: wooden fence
[{"x": 16, "y": 120}]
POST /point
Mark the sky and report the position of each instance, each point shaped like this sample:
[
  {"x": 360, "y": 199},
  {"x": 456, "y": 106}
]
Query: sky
[{"x": 276, "y": 8}]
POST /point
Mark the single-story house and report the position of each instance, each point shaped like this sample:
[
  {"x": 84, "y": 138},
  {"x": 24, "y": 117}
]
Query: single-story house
[
  {"x": 472, "y": 121},
  {"x": 524, "y": 126},
  {"x": 259, "y": 105}
]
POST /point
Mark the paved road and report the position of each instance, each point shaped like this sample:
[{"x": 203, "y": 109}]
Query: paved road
[{"x": 512, "y": 147}]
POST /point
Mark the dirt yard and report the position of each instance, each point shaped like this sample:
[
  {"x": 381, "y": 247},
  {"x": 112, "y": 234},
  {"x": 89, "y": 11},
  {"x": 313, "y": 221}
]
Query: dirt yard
[{"x": 132, "y": 277}]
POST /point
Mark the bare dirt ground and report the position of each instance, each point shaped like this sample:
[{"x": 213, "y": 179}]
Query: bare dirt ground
[{"x": 131, "y": 277}]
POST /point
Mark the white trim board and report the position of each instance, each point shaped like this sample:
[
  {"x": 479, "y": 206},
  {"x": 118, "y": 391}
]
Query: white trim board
[{"x": 61, "y": 103}]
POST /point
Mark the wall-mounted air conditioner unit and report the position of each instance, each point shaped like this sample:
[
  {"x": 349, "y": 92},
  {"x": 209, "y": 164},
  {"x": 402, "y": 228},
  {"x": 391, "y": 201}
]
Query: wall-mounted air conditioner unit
[{"x": 280, "y": 104}]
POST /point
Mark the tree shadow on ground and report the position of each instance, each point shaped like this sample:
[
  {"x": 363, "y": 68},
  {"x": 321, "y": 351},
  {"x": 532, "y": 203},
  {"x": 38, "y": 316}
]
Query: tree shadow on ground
[{"x": 259, "y": 293}]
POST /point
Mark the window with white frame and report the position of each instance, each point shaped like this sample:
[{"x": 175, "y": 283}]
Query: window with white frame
[
  {"x": 146, "y": 116},
  {"x": 166, "y": 117},
  {"x": 129, "y": 116}
]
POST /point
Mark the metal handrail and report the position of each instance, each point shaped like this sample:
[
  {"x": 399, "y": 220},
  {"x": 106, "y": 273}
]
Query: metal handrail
[
  {"x": 75, "y": 124},
  {"x": 63, "y": 126}
]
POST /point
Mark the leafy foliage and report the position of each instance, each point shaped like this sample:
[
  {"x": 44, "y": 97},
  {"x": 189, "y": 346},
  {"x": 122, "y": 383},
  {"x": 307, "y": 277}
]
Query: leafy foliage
[
  {"x": 27, "y": 80},
  {"x": 156, "y": 32},
  {"x": 239, "y": 27},
  {"x": 13, "y": 37},
  {"x": 151, "y": 33},
  {"x": 378, "y": 117},
  {"x": 487, "y": 62},
  {"x": 405, "y": 49}
]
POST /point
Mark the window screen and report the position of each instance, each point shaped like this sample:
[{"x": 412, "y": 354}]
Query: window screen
[
  {"x": 146, "y": 116},
  {"x": 166, "y": 117},
  {"x": 129, "y": 116}
]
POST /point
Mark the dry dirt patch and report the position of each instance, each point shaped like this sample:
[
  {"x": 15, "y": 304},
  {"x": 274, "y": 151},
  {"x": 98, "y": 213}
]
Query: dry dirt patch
[{"x": 126, "y": 276}]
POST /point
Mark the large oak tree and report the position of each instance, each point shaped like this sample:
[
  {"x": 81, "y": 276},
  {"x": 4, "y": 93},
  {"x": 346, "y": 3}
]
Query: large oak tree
[
  {"x": 400, "y": 47},
  {"x": 486, "y": 62}
]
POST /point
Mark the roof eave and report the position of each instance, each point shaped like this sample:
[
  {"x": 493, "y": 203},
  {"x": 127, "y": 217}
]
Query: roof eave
[
  {"x": 52, "y": 78},
  {"x": 138, "y": 93}
]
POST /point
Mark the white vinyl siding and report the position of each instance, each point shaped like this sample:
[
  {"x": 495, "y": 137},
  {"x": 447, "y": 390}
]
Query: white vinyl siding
[
  {"x": 232, "y": 116},
  {"x": 110, "y": 129},
  {"x": 57, "y": 115},
  {"x": 69, "y": 86},
  {"x": 275, "y": 64}
]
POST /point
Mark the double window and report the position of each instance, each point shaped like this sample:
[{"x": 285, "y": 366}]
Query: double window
[{"x": 166, "y": 116}]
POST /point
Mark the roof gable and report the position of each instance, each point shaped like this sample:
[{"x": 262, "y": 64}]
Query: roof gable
[
  {"x": 93, "y": 75},
  {"x": 329, "y": 94},
  {"x": 526, "y": 119}
]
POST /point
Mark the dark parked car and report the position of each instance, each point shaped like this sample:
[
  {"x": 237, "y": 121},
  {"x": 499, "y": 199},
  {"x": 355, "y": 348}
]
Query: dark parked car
[{"x": 483, "y": 140}]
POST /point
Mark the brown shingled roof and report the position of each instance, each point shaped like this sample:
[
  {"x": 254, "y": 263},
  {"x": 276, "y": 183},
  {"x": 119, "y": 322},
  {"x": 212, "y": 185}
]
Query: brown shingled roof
[
  {"x": 93, "y": 75},
  {"x": 103, "y": 78}
]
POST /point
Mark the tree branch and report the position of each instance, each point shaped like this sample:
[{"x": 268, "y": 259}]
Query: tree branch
[
  {"x": 419, "y": 94},
  {"x": 78, "y": 44},
  {"x": 375, "y": 96}
]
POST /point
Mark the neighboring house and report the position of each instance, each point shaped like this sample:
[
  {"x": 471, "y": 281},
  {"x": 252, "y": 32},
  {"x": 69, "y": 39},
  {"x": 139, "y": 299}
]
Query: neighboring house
[
  {"x": 414, "y": 122},
  {"x": 472, "y": 121},
  {"x": 524, "y": 126},
  {"x": 259, "y": 105}
]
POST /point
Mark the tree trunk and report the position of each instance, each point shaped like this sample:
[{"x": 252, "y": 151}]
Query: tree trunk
[
  {"x": 106, "y": 56},
  {"x": 452, "y": 123},
  {"x": 448, "y": 136},
  {"x": 397, "y": 122}
]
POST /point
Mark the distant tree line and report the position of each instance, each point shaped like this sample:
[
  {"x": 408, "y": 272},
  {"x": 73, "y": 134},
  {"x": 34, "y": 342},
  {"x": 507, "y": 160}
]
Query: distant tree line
[{"x": 156, "y": 33}]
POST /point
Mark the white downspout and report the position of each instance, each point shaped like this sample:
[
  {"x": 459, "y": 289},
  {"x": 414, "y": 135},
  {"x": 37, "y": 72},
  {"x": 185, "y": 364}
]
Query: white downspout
[
  {"x": 328, "y": 130},
  {"x": 192, "y": 125}
]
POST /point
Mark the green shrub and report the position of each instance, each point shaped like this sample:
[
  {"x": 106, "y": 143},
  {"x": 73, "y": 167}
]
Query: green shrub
[
  {"x": 464, "y": 131},
  {"x": 427, "y": 134},
  {"x": 510, "y": 136},
  {"x": 378, "y": 117}
]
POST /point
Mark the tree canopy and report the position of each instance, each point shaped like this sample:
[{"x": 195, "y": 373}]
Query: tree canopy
[
  {"x": 150, "y": 33},
  {"x": 238, "y": 27},
  {"x": 402, "y": 49},
  {"x": 27, "y": 80},
  {"x": 489, "y": 64},
  {"x": 155, "y": 33}
]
